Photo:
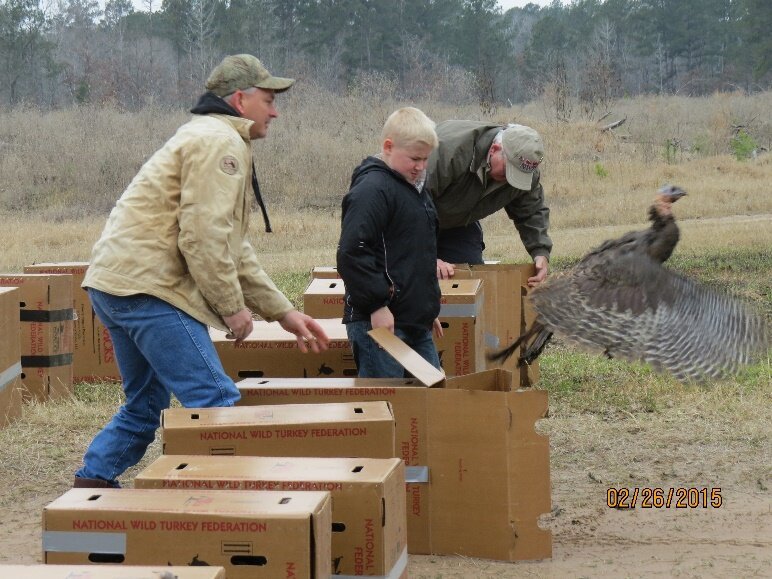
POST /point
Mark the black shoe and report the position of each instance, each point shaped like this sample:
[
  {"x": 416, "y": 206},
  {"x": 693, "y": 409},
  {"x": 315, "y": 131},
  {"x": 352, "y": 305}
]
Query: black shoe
[{"x": 92, "y": 483}]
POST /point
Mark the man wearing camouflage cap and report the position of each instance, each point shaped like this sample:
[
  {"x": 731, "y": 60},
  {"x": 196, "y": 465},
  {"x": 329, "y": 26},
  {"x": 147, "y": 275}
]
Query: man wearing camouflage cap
[
  {"x": 174, "y": 258},
  {"x": 478, "y": 169}
]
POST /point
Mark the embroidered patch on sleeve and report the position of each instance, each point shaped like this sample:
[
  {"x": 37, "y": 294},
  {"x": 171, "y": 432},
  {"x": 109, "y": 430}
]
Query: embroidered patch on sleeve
[{"x": 229, "y": 165}]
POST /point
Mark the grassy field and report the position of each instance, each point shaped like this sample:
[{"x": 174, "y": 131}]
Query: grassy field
[{"x": 609, "y": 421}]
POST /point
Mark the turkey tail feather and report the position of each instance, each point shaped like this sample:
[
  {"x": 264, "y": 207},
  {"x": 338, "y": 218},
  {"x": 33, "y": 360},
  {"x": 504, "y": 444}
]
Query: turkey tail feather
[{"x": 534, "y": 340}]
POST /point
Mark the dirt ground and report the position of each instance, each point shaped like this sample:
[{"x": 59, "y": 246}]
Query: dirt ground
[{"x": 676, "y": 448}]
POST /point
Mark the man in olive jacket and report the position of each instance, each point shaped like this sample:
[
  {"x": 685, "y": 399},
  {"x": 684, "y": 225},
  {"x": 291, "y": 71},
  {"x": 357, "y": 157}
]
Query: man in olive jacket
[
  {"x": 174, "y": 258},
  {"x": 478, "y": 169}
]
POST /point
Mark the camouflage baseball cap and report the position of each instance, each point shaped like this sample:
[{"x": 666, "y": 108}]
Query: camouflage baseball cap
[
  {"x": 241, "y": 71},
  {"x": 524, "y": 151}
]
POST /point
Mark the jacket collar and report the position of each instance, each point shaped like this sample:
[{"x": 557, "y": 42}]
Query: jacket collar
[{"x": 210, "y": 104}]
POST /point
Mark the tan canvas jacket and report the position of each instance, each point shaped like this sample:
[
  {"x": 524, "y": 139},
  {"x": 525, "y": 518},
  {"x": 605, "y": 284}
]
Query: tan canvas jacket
[{"x": 179, "y": 231}]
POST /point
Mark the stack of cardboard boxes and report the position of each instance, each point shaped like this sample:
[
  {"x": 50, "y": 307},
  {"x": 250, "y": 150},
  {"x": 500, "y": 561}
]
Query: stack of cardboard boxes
[
  {"x": 317, "y": 472},
  {"x": 46, "y": 325},
  {"x": 93, "y": 356}
]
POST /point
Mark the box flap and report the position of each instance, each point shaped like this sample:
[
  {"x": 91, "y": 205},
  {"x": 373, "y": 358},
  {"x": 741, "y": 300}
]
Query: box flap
[{"x": 409, "y": 358}]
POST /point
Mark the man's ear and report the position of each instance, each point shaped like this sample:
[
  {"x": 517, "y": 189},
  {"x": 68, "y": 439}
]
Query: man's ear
[
  {"x": 494, "y": 147},
  {"x": 236, "y": 102}
]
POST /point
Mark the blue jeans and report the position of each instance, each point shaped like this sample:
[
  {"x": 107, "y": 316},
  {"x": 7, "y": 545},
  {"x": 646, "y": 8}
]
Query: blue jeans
[
  {"x": 160, "y": 351},
  {"x": 374, "y": 362}
]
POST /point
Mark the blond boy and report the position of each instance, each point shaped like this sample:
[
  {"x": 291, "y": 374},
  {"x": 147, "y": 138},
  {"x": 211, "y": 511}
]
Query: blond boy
[{"x": 387, "y": 254}]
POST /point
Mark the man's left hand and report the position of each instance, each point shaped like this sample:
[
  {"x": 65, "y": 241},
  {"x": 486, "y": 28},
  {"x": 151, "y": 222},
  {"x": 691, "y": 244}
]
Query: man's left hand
[
  {"x": 308, "y": 331},
  {"x": 542, "y": 266}
]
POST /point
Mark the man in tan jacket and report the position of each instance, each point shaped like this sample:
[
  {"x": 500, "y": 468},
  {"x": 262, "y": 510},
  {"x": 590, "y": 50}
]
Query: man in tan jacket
[{"x": 174, "y": 258}]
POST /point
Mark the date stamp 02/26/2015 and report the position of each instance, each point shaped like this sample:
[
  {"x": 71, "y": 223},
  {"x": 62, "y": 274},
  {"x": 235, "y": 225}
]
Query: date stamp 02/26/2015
[{"x": 661, "y": 498}]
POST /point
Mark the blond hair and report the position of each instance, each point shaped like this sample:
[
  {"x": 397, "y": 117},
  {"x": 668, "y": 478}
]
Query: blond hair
[{"x": 408, "y": 126}]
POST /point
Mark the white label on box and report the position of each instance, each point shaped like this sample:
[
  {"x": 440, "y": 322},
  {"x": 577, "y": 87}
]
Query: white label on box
[
  {"x": 74, "y": 542},
  {"x": 6, "y": 376},
  {"x": 416, "y": 474}
]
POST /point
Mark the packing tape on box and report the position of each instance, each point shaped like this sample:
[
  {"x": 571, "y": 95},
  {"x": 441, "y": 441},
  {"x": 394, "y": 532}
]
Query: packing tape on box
[
  {"x": 394, "y": 573},
  {"x": 47, "y": 315},
  {"x": 458, "y": 310},
  {"x": 416, "y": 474},
  {"x": 46, "y": 361},
  {"x": 74, "y": 542},
  {"x": 7, "y": 376}
]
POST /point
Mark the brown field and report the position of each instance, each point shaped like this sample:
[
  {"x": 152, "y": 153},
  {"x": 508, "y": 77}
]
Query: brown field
[{"x": 610, "y": 424}]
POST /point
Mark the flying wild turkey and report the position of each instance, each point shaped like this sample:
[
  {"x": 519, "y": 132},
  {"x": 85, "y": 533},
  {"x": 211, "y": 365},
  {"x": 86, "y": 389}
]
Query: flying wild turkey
[{"x": 619, "y": 299}]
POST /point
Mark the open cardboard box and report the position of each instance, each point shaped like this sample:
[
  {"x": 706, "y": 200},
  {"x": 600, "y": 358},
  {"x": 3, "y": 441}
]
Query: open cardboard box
[{"x": 477, "y": 471}]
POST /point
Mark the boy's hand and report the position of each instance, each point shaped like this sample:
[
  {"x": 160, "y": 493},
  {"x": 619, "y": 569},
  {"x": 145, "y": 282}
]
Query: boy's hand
[
  {"x": 437, "y": 328},
  {"x": 382, "y": 318},
  {"x": 307, "y": 330},
  {"x": 445, "y": 270}
]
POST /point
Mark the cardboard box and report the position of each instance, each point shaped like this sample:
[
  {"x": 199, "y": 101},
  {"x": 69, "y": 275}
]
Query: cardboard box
[
  {"x": 270, "y": 351},
  {"x": 368, "y": 499},
  {"x": 93, "y": 355},
  {"x": 46, "y": 315},
  {"x": 109, "y": 572},
  {"x": 324, "y": 298},
  {"x": 462, "y": 347},
  {"x": 10, "y": 356},
  {"x": 363, "y": 429},
  {"x": 506, "y": 310},
  {"x": 252, "y": 535},
  {"x": 478, "y": 472},
  {"x": 325, "y": 272}
]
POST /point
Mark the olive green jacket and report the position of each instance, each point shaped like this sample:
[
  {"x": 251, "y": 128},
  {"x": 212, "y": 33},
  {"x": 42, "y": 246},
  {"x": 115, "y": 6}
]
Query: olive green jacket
[
  {"x": 463, "y": 193},
  {"x": 179, "y": 231}
]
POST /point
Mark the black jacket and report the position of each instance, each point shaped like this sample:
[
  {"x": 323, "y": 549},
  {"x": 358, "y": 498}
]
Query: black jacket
[{"x": 387, "y": 253}]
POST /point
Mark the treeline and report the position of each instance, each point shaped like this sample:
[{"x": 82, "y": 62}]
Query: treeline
[{"x": 577, "y": 57}]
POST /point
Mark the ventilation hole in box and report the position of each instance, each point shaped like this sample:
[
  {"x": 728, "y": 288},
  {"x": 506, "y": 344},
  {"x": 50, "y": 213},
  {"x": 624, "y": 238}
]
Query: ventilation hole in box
[
  {"x": 445, "y": 324},
  {"x": 358, "y": 411},
  {"x": 94, "y": 497},
  {"x": 251, "y": 373},
  {"x": 333, "y": 284},
  {"x": 181, "y": 466},
  {"x": 263, "y": 382},
  {"x": 22, "y": 304},
  {"x": 357, "y": 469},
  {"x": 255, "y": 560},
  {"x": 285, "y": 501},
  {"x": 383, "y": 510},
  {"x": 454, "y": 286},
  {"x": 194, "y": 416},
  {"x": 338, "y": 527},
  {"x": 23, "y": 375},
  {"x": 106, "y": 557}
]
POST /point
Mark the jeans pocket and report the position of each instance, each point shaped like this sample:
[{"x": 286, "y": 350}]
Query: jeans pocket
[{"x": 123, "y": 304}]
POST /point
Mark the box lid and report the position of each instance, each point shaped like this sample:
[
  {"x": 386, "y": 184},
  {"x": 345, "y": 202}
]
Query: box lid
[
  {"x": 344, "y": 470},
  {"x": 411, "y": 360},
  {"x": 282, "y": 414},
  {"x": 237, "y": 503}
]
